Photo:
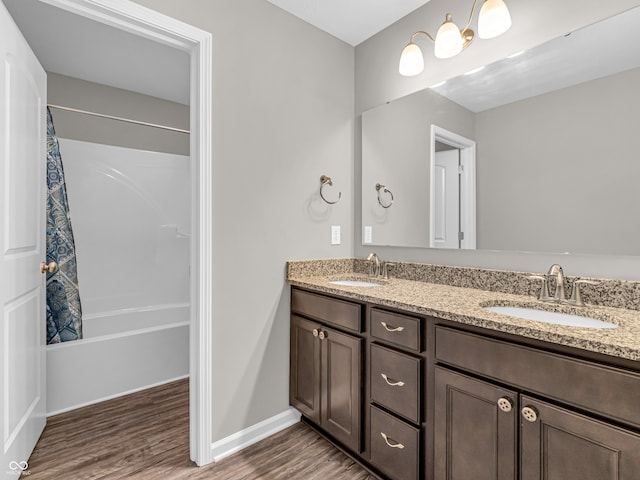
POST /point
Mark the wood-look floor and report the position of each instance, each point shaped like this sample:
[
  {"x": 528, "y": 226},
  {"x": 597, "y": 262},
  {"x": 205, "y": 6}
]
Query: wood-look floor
[{"x": 146, "y": 436}]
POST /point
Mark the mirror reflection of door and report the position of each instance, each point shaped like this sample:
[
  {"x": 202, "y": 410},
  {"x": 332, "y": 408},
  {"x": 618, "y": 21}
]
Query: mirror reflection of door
[
  {"x": 447, "y": 197},
  {"x": 452, "y": 203}
]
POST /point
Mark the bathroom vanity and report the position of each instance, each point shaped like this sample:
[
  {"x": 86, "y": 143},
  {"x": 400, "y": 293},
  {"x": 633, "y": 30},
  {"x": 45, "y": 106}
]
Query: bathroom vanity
[{"x": 417, "y": 380}]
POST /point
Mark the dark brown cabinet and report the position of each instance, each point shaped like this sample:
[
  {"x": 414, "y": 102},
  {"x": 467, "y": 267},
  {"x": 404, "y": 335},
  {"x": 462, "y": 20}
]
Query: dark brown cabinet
[
  {"x": 326, "y": 379},
  {"x": 475, "y": 430},
  {"x": 420, "y": 398},
  {"x": 485, "y": 431},
  {"x": 558, "y": 444}
]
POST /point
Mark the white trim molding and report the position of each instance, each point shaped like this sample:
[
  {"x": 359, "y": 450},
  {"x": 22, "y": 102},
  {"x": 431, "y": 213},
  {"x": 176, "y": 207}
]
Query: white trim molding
[
  {"x": 244, "y": 438},
  {"x": 138, "y": 20}
]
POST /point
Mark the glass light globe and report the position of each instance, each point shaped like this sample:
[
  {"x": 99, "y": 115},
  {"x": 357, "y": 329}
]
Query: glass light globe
[
  {"x": 494, "y": 19},
  {"x": 411, "y": 60},
  {"x": 448, "y": 39}
]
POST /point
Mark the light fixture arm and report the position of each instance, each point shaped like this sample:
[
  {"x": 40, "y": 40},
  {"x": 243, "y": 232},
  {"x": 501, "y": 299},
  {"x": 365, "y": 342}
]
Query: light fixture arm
[
  {"x": 423, "y": 33},
  {"x": 473, "y": 11}
]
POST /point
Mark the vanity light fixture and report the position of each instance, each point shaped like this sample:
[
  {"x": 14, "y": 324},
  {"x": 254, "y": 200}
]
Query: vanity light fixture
[{"x": 494, "y": 20}]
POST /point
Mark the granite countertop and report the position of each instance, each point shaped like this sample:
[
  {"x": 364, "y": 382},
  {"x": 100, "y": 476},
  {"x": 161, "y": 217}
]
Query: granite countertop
[{"x": 465, "y": 305}]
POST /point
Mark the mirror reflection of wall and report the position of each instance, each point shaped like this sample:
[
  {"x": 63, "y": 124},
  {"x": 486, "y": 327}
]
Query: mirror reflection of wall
[
  {"x": 556, "y": 172},
  {"x": 396, "y": 143}
]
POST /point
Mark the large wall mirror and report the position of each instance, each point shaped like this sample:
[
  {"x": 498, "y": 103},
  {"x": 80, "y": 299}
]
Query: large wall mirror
[{"x": 557, "y": 152}]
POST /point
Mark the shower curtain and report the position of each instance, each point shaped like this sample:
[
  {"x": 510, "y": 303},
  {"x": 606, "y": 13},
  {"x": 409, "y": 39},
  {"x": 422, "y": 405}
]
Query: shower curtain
[{"x": 64, "y": 313}]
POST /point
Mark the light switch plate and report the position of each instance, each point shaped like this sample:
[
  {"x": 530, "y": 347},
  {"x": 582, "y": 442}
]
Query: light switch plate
[
  {"x": 335, "y": 234},
  {"x": 368, "y": 234}
]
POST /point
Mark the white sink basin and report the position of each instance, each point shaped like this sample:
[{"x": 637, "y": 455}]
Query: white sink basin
[
  {"x": 556, "y": 318},
  {"x": 355, "y": 283}
]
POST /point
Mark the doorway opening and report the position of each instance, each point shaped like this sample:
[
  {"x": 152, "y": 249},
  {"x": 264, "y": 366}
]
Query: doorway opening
[{"x": 132, "y": 19}]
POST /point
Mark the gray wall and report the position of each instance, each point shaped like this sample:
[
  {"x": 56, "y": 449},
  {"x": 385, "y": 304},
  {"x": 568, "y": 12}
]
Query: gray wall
[
  {"x": 561, "y": 172},
  {"x": 377, "y": 81},
  {"x": 93, "y": 97},
  {"x": 396, "y": 151},
  {"x": 283, "y": 96}
]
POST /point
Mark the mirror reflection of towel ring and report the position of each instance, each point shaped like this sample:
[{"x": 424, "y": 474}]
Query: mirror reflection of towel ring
[
  {"x": 324, "y": 180},
  {"x": 379, "y": 187}
]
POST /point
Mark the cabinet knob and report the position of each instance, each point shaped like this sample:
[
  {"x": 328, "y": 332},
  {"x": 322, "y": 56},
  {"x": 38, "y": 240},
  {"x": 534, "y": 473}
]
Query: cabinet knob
[
  {"x": 322, "y": 335},
  {"x": 530, "y": 414},
  {"x": 505, "y": 404},
  {"x": 315, "y": 332}
]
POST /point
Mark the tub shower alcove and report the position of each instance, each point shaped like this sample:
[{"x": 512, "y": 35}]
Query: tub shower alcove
[{"x": 130, "y": 211}]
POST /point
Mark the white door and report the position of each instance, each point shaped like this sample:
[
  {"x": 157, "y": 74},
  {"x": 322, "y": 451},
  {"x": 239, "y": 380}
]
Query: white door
[
  {"x": 447, "y": 200},
  {"x": 22, "y": 248}
]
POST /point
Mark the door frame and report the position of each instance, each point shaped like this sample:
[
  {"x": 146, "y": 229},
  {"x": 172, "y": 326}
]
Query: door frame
[
  {"x": 138, "y": 20},
  {"x": 467, "y": 149}
]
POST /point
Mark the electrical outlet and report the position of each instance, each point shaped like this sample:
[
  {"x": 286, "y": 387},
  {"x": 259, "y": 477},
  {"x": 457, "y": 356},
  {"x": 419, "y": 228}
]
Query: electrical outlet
[
  {"x": 335, "y": 235},
  {"x": 368, "y": 234}
]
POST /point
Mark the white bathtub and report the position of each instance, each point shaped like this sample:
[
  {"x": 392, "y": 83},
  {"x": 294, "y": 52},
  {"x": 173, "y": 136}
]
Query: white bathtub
[{"x": 122, "y": 352}]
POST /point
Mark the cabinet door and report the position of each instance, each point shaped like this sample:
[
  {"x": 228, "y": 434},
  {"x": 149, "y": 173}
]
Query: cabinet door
[
  {"x": 558, "y": 444},
  {"x": 304, "y": 374},
  {"x": 341, "y": 386},
  {"x": 475, "y": 429}
]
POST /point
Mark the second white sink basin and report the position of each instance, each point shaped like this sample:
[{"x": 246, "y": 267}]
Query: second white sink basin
[
  {"x": 355, "y": 283},
  {"x": 556, "y": 318}
]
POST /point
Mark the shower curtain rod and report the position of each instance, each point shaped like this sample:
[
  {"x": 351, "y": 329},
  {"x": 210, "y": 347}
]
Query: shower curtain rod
[{"x": 120, "y": 119}]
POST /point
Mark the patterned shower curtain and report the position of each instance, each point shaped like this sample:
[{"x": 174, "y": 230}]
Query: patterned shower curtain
[{"x": 64, "y": 313}]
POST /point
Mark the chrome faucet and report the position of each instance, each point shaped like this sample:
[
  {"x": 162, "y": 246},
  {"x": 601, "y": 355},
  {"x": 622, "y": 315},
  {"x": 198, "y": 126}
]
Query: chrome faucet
[
  {"x": 374, "y": 265},
  {"x": 559, "y": 296},
  {"x": 556, "y": 270}
]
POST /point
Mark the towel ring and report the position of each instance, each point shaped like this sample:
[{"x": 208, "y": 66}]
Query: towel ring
[
  {"x": 324, "y": 180},
  {"x": 379, "y": 187}
]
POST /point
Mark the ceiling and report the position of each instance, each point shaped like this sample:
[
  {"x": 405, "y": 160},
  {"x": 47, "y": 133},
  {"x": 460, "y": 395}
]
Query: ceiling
[
  {"x": 352, "y": 21},
  {"x": 75, "y": 46}
]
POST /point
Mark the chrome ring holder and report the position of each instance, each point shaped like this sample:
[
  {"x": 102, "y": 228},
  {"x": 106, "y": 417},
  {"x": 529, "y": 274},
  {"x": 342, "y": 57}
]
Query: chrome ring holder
[
  {"x": 324, "y": 180},
  {"x": 379, "y": 187}
]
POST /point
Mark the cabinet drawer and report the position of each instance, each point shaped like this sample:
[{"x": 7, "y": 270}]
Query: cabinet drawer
[
  {"x": 326, "y": 309},
  {"x": 395, "y": 382},
  {"x": 395, "y": 446},
  {"x": 608, "y": 391},
  {"x": 395, "y": 328}
]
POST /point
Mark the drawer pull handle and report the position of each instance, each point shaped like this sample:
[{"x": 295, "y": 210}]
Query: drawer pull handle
[
  {"x": 392, "y": 445},
  {"x": 390, "y": 329},
  {"x": 390, "y": 383}
]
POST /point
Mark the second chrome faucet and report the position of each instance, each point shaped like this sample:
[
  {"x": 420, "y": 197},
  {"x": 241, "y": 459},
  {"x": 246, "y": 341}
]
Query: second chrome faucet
[{"x": 560, "y": 282}]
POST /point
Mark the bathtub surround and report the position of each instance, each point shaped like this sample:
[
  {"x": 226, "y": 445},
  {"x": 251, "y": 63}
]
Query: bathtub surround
[
  {"x": 64, "y": 310},
  {"x": 133, "y": 255}
]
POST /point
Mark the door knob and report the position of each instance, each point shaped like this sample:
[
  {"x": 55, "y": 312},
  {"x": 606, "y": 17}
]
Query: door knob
[
  {"x": 315, "y": 332},
  {"x": 51, "y": 267},
  {"x": 322, "y": 335}
]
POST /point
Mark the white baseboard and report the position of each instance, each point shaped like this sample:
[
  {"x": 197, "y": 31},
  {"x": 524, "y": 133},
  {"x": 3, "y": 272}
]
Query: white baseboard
[{"x": 242, "y": 439}]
